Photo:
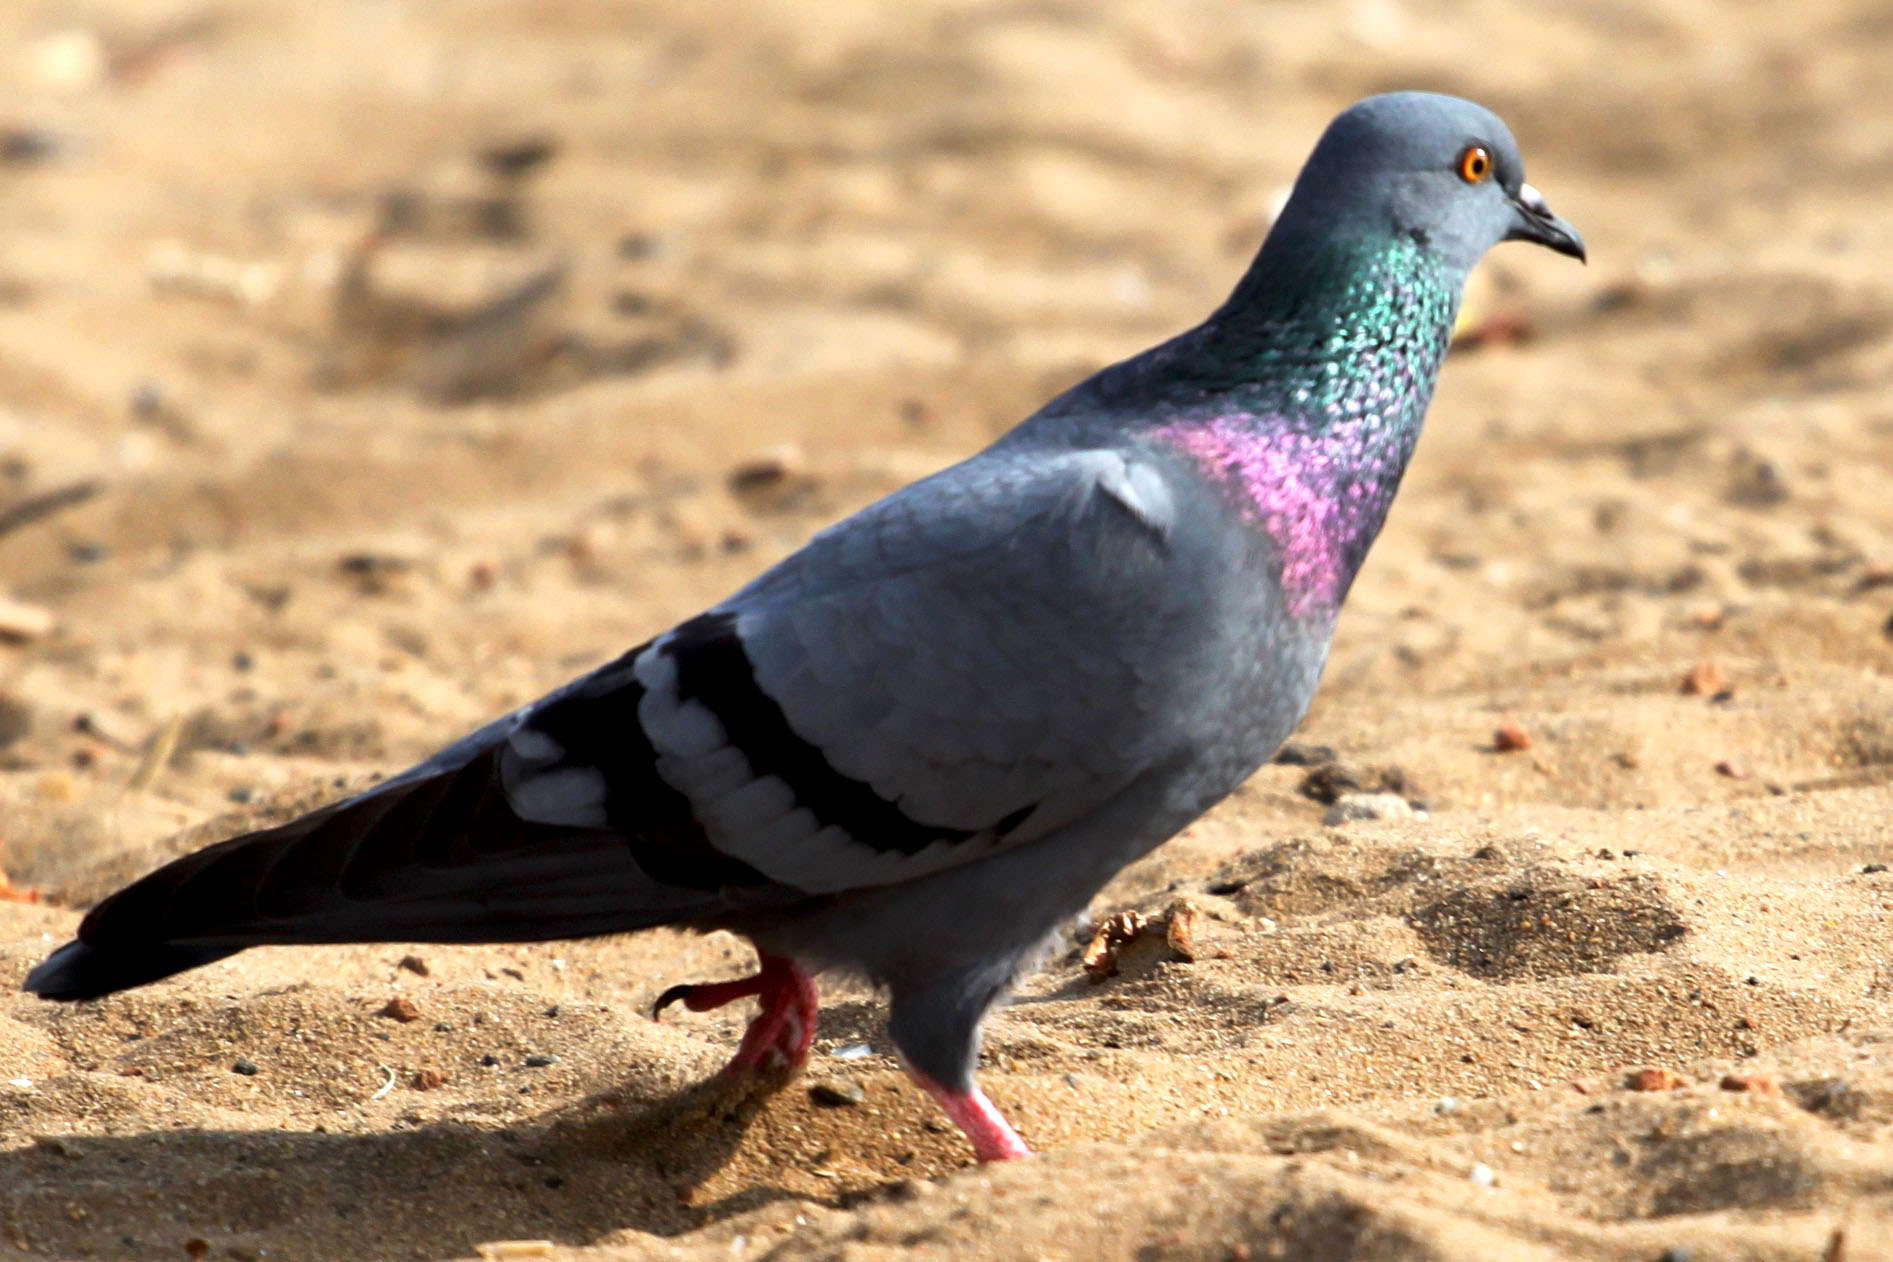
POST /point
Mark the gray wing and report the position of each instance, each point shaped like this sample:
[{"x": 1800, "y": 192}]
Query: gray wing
[{"x": 964, "y": 666}]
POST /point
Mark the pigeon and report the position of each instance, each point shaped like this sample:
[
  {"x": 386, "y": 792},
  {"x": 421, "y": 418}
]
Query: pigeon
[{"x": 914, "y": 750}]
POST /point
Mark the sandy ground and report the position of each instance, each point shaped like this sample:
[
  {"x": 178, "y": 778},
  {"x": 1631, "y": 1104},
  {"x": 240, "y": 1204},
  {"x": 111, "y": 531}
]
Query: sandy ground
[{"x": 368, "y": 367}]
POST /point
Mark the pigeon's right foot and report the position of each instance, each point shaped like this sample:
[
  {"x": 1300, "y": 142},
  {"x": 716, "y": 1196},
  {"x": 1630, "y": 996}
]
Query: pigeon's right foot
[
  {"x": 779, "y": 1037},
  {"x": 992, "y": 1135}
]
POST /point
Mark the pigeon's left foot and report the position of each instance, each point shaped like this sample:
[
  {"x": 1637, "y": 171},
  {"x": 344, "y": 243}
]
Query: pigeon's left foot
[
  {"x": 779, "y": 1037},
  {"x": 993, "y": 1137}
]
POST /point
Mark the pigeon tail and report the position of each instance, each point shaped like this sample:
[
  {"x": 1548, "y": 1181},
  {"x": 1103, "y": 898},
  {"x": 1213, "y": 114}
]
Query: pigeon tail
[
  {"x": 81, "y": 971},
  {"x": 438, "y": 856}
]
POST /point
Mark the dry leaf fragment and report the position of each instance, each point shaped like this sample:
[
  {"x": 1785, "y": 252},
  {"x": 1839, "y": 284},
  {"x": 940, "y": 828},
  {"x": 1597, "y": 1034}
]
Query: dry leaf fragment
[
  {"x": 1100, "y": 958},
  {"x": 1179, "y": 931}
]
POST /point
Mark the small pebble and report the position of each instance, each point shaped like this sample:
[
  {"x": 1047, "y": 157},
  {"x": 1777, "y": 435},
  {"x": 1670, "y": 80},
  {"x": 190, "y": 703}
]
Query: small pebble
[
  {"x": 489, "y": 1060},
  {"x": 772, "y": 479},
  {"x": 1354, "y": 807},
  {"x": 1299, "y": 754},
  {"x": 1753, "y": 1084},
  {"x": 1445, "y": 1105},
  {"x": 639, "y": 245},
  {"x": 23, "y": 146},
  {"x": 1483, "y": 1176},
  {"x": 837, "y": 1093},
  {"x": 910, "y": 1190},
  {"x": 245, "y": 1067},
  {"x": 1703, "y": 680},
  {"x": 401, "y": 1009},
  {"x": 21, "y": 621},
  {"x": 539, "y": 1060},
  {"x": 1331, "y": 781},
  {"x": 1510, "y": 738},
  {"x": 854, "y": 1051}
]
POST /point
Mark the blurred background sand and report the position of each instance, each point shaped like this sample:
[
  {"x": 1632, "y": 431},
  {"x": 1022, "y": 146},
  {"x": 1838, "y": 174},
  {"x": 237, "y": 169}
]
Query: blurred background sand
[{"x": 368, "y": 367}]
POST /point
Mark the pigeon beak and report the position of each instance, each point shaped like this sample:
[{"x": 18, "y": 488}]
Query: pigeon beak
[{"x": 1535, "y": 222}]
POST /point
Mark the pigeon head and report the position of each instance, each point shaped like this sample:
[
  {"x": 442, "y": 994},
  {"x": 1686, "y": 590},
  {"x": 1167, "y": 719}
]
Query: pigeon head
[{"x": 1435, "y": 170}]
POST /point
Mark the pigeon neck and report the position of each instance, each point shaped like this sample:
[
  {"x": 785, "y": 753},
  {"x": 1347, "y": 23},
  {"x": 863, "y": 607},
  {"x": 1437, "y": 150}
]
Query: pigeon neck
[{"x": 1324, "y": 363}]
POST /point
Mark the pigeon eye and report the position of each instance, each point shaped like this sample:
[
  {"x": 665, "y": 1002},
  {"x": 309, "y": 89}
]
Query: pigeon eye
[{"x": 1475, "y": 164}]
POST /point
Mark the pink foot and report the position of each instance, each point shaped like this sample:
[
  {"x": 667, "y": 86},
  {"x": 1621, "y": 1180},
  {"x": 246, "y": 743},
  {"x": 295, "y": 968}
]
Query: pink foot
[
  {"x": 779, "y": 1037},
  {"x": 993, "y": 1137}
]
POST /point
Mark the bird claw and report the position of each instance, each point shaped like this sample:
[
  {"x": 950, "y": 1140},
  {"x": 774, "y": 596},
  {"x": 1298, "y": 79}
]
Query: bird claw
[
  {"x": 704, "y": 996},
  {"x": 669, "y": 997},
  {"x": 778, "y": 1039},
  {"x": 976, "y": 1116}
]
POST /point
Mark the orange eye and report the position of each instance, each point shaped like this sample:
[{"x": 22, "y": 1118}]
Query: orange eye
[{"x": 1475, "y": 164}]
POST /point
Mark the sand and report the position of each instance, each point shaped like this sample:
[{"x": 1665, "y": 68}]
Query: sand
[{"x": 367, "y": 368}]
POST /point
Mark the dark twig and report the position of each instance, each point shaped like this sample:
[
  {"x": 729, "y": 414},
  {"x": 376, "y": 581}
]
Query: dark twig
[{"x": 31, "y": 509}]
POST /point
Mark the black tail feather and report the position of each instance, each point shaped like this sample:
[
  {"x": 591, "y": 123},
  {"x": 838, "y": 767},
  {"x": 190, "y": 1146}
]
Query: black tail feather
[
  {"x": 437, "y": 857},
  {"x": 79, "y": 971}
]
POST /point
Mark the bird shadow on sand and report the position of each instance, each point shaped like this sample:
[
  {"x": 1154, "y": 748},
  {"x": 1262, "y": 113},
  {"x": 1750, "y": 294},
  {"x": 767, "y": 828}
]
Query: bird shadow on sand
[{"x": 600, "y": 1165}]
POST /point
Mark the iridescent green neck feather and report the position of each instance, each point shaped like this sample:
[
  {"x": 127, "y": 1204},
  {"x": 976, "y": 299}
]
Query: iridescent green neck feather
[{"x": 1301, "y": 398}]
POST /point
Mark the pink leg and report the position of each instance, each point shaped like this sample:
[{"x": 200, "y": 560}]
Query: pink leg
[
  {"x": 779, "y": 1037},
  {"x": 993, "y": 1137}
]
